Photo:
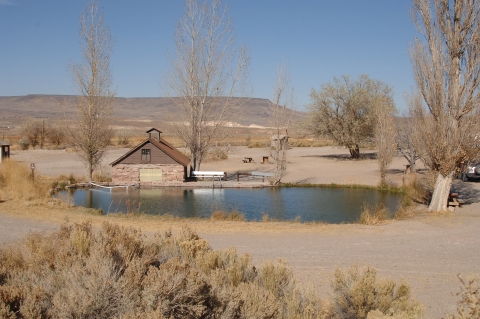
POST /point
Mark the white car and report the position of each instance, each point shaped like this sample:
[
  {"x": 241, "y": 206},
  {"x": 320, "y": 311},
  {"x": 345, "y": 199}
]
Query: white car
[{"x": 471, "y": 172}]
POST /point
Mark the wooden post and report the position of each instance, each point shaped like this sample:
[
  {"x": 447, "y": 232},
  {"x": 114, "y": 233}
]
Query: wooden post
[{"x": 32, "y": 167}]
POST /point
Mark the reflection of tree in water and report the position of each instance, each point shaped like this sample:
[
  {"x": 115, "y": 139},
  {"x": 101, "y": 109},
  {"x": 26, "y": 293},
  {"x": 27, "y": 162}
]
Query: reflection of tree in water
[
  {"x": 330, "y": 205},
  {"x": 277, "y": 203}
]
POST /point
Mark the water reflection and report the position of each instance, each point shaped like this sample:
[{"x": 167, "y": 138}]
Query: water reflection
[{"x": 311, "y": 204}]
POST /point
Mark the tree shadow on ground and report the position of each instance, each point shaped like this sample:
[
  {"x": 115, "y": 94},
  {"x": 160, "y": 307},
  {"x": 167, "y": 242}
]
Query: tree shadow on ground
[
  {"x": 346, "y": 157},
  {"x": 467, "y": 191}
]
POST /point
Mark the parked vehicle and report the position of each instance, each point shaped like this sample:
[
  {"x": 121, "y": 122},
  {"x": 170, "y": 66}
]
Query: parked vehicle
[{"x": 471, "y": 172}]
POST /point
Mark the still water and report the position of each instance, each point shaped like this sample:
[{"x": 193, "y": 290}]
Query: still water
[{"x": 331, "y": 205}]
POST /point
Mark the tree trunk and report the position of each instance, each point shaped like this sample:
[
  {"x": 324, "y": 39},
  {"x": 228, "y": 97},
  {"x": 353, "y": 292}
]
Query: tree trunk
[
  {"x": 441, "y": 192},
  {"x": 354, "y": 152},
  {"x": 89, "y": 170},
  {"x": 413, "y": 169}
]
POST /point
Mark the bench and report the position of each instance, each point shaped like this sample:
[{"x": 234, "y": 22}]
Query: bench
[
  {"x": 255, "y": 175},
  {"x": 210, "y": 174}
]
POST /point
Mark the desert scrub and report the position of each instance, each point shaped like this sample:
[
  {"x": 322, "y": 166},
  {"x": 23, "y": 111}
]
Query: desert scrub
[
  {"x": 223, "y": 215},
  {"x": 16, "y": 182},
  {"x": 117, "y": 272},
  {"x": 359, "y": 294},
  {"x": 469, "y": 304},
  {"x": 373, "y": 214}
]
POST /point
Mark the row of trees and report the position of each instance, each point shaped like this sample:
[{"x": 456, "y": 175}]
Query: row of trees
[
  {"x": 208, "y": 70},
  {"x": 37, "y": 132},
  {"x": 208, "y": 73},
  {"x": 442, "y": 128}
]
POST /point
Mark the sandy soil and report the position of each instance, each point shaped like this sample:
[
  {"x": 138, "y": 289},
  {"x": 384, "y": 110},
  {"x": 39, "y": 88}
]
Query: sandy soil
[
  {"x": 315, "y": 165},
  {"x": 428, "y": 251}
]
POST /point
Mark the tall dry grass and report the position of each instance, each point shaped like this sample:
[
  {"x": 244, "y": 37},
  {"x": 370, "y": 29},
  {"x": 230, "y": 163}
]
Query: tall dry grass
[
  {"x": 373, "y": 214},
  {"x": 16, "y": 182}
]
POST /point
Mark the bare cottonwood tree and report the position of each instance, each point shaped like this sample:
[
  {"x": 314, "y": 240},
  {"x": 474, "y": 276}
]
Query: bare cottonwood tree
[
  {"x": 384, "y": 133},
  {"x": 56, "y": 134},
  {"x": 34, "y": 130},
  {"x": 208, "y": 70},
  {"x": 91, "y": 131},
  {"x": 405, "y": 137},
  {"x": 446, "y": 68},
  {"x": 343, "y": 110},
  {"x": 282, "y": 111}
]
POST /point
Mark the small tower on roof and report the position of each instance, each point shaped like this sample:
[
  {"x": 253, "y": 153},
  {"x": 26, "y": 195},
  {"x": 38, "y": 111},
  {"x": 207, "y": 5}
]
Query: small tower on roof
[{"x": 154, "y": 133}]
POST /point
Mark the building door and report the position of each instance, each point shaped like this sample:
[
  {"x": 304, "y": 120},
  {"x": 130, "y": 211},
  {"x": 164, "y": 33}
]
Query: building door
[{"x": 151, "y": 174}]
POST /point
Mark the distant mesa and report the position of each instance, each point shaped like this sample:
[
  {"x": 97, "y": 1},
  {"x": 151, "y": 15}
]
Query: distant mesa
[{"x": 15, "y": 109}]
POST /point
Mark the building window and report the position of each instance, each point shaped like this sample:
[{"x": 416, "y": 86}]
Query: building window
[{"x": 146, "y": 155}]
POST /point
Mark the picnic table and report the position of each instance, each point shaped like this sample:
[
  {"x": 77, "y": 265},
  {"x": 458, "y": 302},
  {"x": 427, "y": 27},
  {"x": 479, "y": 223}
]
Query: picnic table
[
  {"x": 454, "y": 201},
  {"x": 248, "y": 160}
]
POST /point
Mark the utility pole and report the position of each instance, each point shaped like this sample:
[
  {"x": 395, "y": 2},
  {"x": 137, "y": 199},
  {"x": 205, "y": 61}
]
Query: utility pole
[{"x": 43, "y": 133}]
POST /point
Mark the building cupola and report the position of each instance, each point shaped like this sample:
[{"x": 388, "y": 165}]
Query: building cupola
[{"x": 154, "y": 133}]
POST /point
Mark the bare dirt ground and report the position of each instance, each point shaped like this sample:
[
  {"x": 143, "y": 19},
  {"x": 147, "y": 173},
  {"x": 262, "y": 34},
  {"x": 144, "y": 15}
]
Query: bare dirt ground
[
  {"x": 428, "y": 251},
  {"x": 316, "y": 165}
]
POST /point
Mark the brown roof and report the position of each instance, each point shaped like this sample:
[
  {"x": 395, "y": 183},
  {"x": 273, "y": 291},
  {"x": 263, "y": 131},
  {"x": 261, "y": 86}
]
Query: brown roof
[{"x": 163, "y": 145}]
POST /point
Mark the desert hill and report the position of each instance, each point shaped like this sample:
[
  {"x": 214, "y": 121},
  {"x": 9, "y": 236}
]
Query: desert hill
[{"x": 14, "y": 110}]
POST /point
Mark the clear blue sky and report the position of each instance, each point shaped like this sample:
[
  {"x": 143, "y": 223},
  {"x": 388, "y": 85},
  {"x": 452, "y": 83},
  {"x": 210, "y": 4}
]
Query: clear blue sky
[{"x": 319, "y": 39}]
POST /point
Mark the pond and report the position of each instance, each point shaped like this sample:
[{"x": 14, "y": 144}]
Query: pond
[{"x": 330, "y": 205}]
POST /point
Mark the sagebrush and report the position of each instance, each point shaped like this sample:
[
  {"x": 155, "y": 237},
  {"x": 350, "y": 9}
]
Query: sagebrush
[{"x": 118, "y": 272}]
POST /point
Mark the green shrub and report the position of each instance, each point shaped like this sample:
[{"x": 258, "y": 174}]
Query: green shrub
[{"x": 24, "y": 143}]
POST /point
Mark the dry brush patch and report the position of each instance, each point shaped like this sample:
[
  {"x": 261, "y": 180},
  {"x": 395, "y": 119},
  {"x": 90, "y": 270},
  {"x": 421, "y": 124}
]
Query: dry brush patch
[
  {"x": 17, "y": 183},
  {"x": 119, "y": 272}
]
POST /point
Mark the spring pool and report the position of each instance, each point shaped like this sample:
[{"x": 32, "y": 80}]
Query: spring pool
[{"x": 329, "y": 205}]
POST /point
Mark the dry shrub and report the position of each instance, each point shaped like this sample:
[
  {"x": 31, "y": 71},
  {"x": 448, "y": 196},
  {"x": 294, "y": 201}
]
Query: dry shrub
[
  {"x": 414, "y": 189},
  {"x": 219, "y": 215},
  {"x": 178, "y": 290},
  {"x": 235, "y": 215},
  {"x": 357, "y": 293},
  {"x": 16, "y": 182},
  {"x": 469, "y": 304},
  {"x": 257, "y": 144},
  {"x": 223, "y": 215},
  {"x": 102, "y": 177},
  {"x": 63, "y": 180},
  {"x": 117, "y": 272},
  {"x": 276, "y": 278},
  {"x": 373, "y": 215},
  {"x": 217, "y": 155}
]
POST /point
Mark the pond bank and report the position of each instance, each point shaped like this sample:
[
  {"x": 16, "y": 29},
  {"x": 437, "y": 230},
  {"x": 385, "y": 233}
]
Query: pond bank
[{"x": 197, "y": 184}]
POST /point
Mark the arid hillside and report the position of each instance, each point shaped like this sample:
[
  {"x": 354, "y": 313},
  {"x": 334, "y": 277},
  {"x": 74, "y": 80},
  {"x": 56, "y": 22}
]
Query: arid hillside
[{"x": 14, "y": 110}]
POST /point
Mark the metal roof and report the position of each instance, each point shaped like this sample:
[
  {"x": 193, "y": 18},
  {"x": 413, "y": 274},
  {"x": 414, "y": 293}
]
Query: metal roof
[{"x": 163, "y": 145}]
